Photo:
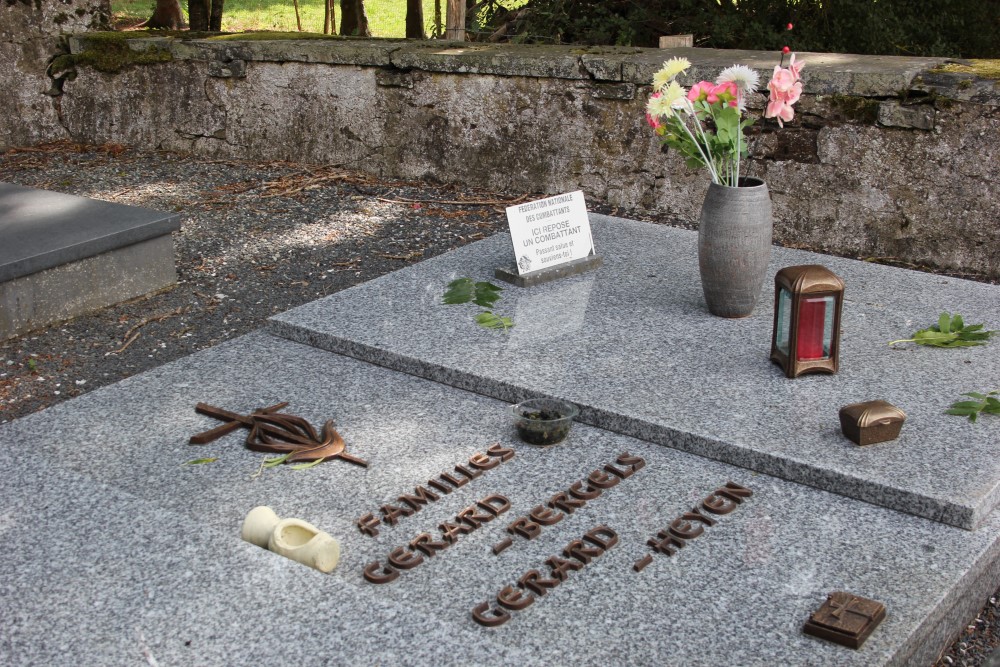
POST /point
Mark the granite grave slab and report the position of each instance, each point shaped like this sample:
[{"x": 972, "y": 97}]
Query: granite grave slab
[
  {"x": 64, "y": 255},
  {"x": 634, "y": 346},
  {"x": 115, "y": 551}
]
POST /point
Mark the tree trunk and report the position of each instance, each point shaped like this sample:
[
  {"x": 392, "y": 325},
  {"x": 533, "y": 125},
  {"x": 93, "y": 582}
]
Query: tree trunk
[
  {"x": 215, "y": 20},
  {"x": 455, "y": 21},
  {"x": 166, "y": 16},
  {"x": 353, "y": 19},
  {"x": 415, "y": 19},
  {"x": 198, "y": 11}
]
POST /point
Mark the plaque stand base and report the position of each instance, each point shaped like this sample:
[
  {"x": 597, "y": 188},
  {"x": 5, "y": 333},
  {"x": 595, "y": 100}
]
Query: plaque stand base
[{"x": 509, "y": 274}]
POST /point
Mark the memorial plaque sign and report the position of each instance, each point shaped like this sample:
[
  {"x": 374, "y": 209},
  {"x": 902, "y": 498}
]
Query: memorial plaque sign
[{"x": 550, "y": 232}]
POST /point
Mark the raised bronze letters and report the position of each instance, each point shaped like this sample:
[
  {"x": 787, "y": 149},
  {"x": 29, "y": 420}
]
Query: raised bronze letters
[
  {"x": 377, "y": 574},
  {"x": 533, "y": 584},
  {"x": 445, "y": 483},
  {"x": 502, "y": 544},
  {"x": 496, "y": 615},
  {"x": 425, "y": 546},
  {"x": 692, "y": 524},
  {"x": 566, "y": 502},
  {"x": 641, "y": 564}
]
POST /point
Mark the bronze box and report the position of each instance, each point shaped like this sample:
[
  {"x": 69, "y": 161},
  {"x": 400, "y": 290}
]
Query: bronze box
[{"x": 871, "y": 422}]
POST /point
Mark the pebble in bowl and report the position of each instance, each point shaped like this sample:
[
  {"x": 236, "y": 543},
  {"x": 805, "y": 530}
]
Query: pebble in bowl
[{"x": 543, "y": 421}]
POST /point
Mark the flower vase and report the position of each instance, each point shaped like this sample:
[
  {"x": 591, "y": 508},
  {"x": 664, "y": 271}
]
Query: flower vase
[{"x": 734, "y": 246}]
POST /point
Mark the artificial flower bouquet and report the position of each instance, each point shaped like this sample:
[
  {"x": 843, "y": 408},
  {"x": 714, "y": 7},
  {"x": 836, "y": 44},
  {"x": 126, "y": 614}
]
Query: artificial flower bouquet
[{"x": 705, "y": 123}]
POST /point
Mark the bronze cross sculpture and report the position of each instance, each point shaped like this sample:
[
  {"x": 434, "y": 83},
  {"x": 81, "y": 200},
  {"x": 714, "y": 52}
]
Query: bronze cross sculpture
[{"x": 276, "y": 432}]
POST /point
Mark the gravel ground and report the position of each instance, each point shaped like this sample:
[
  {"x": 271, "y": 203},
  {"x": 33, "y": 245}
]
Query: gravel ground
[{"x": 257, "y": 239}]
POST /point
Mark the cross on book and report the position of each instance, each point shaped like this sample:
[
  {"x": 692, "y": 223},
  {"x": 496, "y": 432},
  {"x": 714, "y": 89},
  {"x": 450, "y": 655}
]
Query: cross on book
[{"x": 845, "y": 618}]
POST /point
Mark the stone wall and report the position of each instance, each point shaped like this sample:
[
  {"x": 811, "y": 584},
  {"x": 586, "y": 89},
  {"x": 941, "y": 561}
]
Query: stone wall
[
  {"x": 31, "y": 33},
  {"x": 887, "y": 158}
]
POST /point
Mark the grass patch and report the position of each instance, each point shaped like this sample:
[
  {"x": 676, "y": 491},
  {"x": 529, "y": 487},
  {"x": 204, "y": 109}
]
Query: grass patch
[{"x": 386, "y": 18}]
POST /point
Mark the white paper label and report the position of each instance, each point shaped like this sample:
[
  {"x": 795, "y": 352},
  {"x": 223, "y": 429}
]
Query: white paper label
[{"x": 549, "y": 232}]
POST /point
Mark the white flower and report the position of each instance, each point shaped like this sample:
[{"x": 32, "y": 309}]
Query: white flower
[
  {"x": 745, "y": 78},
  {"x": 670, "y": 69},
  {"x": 746, "y": 81}
]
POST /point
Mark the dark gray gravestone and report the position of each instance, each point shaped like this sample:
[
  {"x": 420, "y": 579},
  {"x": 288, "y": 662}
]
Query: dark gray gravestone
[{"x": 63, "y": 255}]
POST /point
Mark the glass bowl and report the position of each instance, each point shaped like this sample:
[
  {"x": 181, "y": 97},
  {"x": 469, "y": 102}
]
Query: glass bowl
[{"x": 543, "y": 421}]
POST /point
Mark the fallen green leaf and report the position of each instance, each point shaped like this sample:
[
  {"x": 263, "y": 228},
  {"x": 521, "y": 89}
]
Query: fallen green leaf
[
  {"x": 950, "y": 331},
  {"x": 304, "y": 466},
  {"x": 488, "y": 320},
  {"x": 984, "y": 404},
  {"x": 483, "y": 294},
  {"x": 460, "y": 290},
  {"x": 486, "y": 294},
  {"x": 276, "y": 460},
  {"x": 198, "y": 462}
]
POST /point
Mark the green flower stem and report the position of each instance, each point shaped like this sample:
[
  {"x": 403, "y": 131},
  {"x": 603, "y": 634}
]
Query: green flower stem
[
  {"x": 904, "y": 340},
  {"x": 704, "y": 138},
  {"x": 708, "y": 163}
]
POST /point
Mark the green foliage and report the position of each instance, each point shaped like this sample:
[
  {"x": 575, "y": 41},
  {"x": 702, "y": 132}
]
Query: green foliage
[
  {"x": 484, "y": 294},
  {"x": 723, "y": 145},
  {"x": 950, "y": 331},
  {"x": 463, "y": 290},
  {"x": 957, "y": 28},
  {"x": 983, "y": 404}
]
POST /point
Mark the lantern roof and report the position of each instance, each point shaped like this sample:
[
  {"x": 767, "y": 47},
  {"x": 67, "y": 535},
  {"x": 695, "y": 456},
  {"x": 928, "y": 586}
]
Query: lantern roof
[{"x": 809, "y": 278}]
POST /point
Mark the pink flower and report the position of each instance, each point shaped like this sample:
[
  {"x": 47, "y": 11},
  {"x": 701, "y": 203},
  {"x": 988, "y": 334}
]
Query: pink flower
[
  {"x": 796, "y": 68},
  {"x": 781, "y": 81},
  {"x": 779, "y": 109},
  {"x": 785, "y": 90},
  {"x": 706, "y": 91},
  {"x": 698, "y": 90},
  {"x": 726, "y": 88}
]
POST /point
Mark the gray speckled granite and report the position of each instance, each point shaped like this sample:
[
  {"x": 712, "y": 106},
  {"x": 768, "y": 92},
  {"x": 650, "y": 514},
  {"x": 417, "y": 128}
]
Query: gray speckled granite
[
  {"x": 116, "y": 553},
  {"x": 43, "y": 229},
  {"x": 633, "y": 344}
]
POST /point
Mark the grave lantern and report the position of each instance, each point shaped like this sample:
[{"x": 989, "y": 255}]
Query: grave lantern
[{"x": 807, "y": 305}]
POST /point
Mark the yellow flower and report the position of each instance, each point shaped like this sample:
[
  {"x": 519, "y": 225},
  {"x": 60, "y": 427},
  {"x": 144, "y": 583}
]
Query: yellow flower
[
  {"x": 660, "y": 104},
  {"x": 670, "y": 69}
]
